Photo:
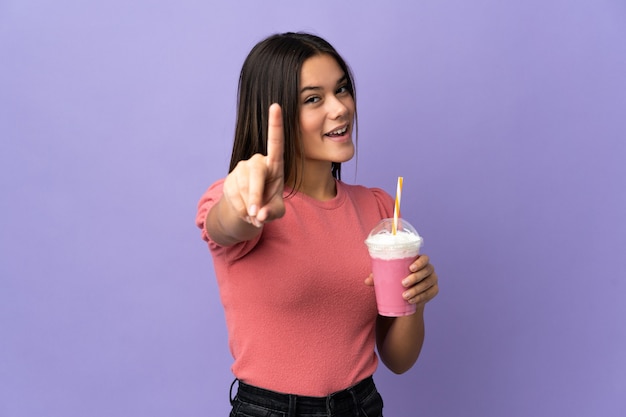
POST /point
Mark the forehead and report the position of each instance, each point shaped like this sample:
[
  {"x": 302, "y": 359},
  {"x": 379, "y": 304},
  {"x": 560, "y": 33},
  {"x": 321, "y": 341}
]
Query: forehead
[{"x": 320, "y": 70}]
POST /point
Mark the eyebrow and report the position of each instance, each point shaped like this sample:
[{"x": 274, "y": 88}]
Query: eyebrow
[{"x": 315, "y": 88}]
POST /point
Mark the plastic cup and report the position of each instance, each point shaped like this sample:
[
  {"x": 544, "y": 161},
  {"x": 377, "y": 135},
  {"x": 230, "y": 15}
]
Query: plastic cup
[{"x": 391, "y": 257}]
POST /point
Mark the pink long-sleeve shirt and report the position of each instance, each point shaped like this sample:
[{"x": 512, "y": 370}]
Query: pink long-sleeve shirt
[{"x": 300, "y": 319}]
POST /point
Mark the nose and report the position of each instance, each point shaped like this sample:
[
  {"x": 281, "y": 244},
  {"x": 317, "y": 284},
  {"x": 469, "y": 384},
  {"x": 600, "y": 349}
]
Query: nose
[{"x": 336, "y": 108}]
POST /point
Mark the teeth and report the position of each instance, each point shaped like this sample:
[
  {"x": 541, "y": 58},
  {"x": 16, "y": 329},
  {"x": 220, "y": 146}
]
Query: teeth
[{"x": 339, "y": 131}]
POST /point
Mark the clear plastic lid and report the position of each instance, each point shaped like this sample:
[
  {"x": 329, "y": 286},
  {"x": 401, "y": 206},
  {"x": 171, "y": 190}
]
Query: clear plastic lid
[{"x": 382, "y": 239}]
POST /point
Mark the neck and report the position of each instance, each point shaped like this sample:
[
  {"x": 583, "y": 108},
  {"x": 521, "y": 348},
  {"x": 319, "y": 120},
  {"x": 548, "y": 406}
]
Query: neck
[{"x": 317, "y": 182}]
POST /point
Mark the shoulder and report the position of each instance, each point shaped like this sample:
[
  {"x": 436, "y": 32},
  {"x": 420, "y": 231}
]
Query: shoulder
[
  {"x": 360, "y": 191},
  {"x": 368, "y": 197}
]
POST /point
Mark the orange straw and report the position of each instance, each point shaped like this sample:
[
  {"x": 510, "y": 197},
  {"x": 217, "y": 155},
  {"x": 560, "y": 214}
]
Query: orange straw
[{"x": 396, "y": 207}]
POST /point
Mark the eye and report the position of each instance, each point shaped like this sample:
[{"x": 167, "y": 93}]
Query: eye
[
  {"x": 343, "y": 89},
  {"x": 312, "y": 99}
]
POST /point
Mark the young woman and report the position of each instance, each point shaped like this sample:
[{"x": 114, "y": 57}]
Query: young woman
[{"x": 287, "y": 240}]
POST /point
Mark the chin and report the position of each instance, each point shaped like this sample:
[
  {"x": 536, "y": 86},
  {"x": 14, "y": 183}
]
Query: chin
[{"x": 345, "y": 157}]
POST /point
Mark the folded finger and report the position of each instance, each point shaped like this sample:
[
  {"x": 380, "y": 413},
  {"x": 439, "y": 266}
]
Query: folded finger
[{"x": 255, "y": 188}]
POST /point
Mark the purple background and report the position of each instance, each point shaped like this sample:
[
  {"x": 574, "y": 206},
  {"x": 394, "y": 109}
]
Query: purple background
[{"x": 507, "y": 120}]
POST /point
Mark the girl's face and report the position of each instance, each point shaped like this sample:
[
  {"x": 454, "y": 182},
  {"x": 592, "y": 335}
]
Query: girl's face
[{"x": 326, "y": 111}]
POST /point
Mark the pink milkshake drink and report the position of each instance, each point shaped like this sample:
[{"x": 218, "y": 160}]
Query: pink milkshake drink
[{"x": 391, "y": 256}]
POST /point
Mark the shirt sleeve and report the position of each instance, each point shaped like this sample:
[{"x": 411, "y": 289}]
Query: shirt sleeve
[
  {"x": 228, "y": 253},
  {"x": 208, "y": 200}
]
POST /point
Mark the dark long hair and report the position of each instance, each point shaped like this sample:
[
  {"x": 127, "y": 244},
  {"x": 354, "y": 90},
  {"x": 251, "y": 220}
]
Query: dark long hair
[{"x": 271, "y": 74}]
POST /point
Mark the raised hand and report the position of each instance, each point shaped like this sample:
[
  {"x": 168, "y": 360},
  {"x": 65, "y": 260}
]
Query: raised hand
[{"x": 254, "y": 189}]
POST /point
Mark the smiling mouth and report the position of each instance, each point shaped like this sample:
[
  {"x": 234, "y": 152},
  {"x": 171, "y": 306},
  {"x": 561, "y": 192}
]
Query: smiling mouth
[{"x": 339, "y": 132}]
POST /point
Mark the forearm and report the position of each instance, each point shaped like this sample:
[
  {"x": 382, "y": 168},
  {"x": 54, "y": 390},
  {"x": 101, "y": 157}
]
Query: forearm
[
  {"x": 225, "y": 227},
  {"x": 400, "y": 340}
]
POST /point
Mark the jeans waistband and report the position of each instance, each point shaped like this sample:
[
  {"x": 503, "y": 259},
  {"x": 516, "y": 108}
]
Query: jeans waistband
[{"x": 341, "y": 400}]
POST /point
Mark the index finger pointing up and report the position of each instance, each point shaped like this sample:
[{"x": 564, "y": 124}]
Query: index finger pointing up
[{"x": 275, "y": 137}]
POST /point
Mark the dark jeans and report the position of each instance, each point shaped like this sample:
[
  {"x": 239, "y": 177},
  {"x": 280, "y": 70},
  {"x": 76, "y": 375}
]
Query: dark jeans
[{"x": 361, "y": 400}]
